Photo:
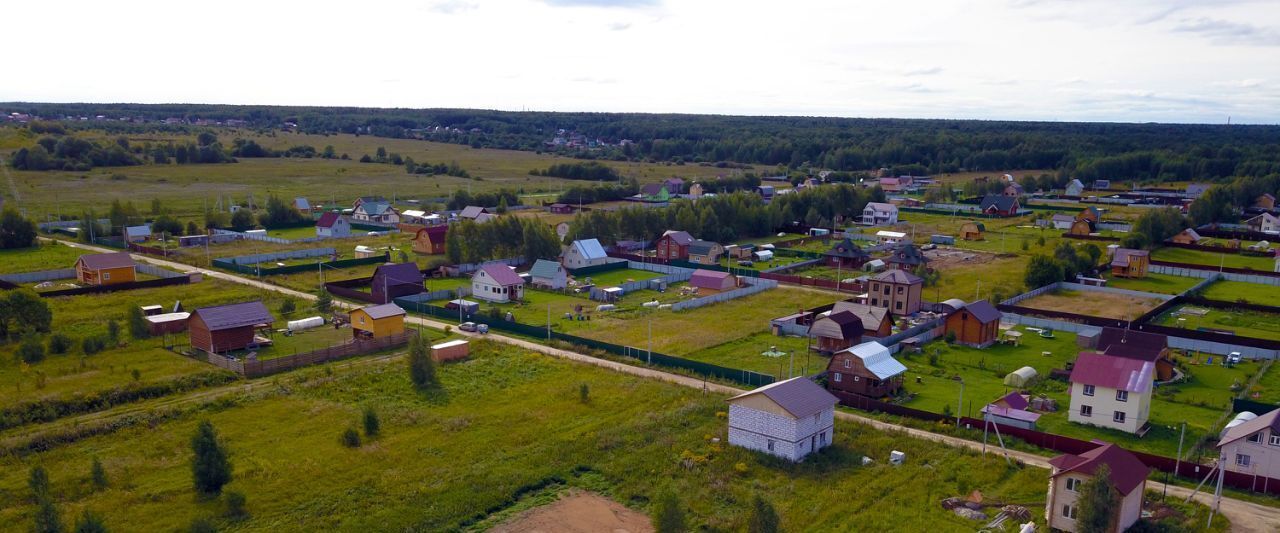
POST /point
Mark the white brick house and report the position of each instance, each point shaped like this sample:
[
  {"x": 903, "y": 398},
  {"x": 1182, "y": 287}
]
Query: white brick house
[
  {"x": 1111, "y": 392},
  {"x": 789, "y": 419}
]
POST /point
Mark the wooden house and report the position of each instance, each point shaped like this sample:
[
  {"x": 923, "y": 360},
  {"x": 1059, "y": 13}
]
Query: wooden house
[
  {"x": 906, "y": 256},
  {"x": 705, "y": 252},
  {"x": 561, "y": 209},
  {"x": 673, "y": 245},
  {"x": 876, "y": 321},
  {"x": 332, "y": 225},
  {"x": 548, "y": 275},
  {"x": 375, "y": 209},
  {"x": 302, "y": 205},
  {"x": 972, "y": 231},
  {"x": 137, "y": 233},
  {"x": 1186, "y": 236},
  {"x": 867, "y": 369},
  {"x": 431, "y": 239},
  {"x": 1075, "y": 188},
  {"x": 377, "y": 321},
  {"x": 584, "y": 253},
  {"x": 496, "y": 282},
  {"x": 230, "y": 327},
  {"x": 472, "y": 212},
  {"x": 1080, "y": 227},
  {"x": 655, "y": 192},
  {"x": 393, "y": 280},
  {"x": 1130, "y": 263},
  {"x": 105, "y": 269},
  {"x": 836, "y": 331},
  {"x": 1128, "y": 478},
  {"x": 976, "y": 324},
  {"x": 1090, "y": 213},
  {"x": 695, "y": 191},
  {"x": 789, "y": 419},
  {"x": 1000, "y": 205},
  {"x": 846, "y": 254},
  {"x": 1266, "y": 201}
]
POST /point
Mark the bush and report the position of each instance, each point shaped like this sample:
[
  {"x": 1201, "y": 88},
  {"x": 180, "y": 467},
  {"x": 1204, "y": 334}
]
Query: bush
[
  {"x": 90, "y": 522},
  {"x": 93, "y": 344},
  {"x": 668, "y": 517},
  {"x": 236, "y": 505},
  {"x": 59, "y": 343},
  {"x": 950, "y": 337},
  {"x": 210, "y": 467},
  {"x": 287, "y": 307},
  {"x": 422, "y": 369},
  {"x": 584, "y": 393},
  {"x": 763, "y": 518},
  {"x": 113, "y": 332},
  {"x": 47, "y": 519},
  {"x": 371, "y": 424},
  {"x": 31, "y": 351},
  {"x": 202, "y": 525},
  {"x": 351, "y": 438},
  {"x": 137, "y": 323},
  {"x": 98, "y": 475},
  {"x": 38, "y": 482}
]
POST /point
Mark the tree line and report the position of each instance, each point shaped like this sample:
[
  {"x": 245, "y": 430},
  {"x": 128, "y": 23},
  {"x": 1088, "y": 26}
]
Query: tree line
[
  {"x": 589, "y": 170},
  {"x": 1224, "y": 202},
  {"x": 501, "y": 238}
]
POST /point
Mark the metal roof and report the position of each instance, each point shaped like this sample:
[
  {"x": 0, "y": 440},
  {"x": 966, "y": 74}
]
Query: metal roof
[
  {"x": 1268, "y": 420},
  {"x": 590, "y": 249},
  {"x": 999, "y": 201},
  {"x": 1113, "y": 372},
  {"x": 502, "y": 274},
  {"x": 708, "y": 278},
  {"x": 1015, "y": 414},
  {"x": 471, "y": 211},
  {"x": 682, "y": 238},
  {"x": 701, "y": 247},
  {"x": 1127, "y": 471},
  {"x": 797, "y": 396},
  {"x": 897, "y": 276},
  {"x": 983, "y": 311},
  {"x": 877, "y": 359},
  {"x": 382, "y": 311},
  {"x": 328, "y": 219},
  {"x": 236, "y": 315},
  {"x": 398, "y": 274},
  {"x": 543, "y": 268},
  {"x": 109, "y": 260},
  {"x": 871, "y": 316},
  {"x": 1132, "y": 344},
  {"x": 881, "y": 207},
  {"x": 138, "y": 231}
]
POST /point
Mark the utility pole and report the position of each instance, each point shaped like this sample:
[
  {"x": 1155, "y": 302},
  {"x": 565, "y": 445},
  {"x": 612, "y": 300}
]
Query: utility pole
[
  {"x": 1177, "y": 462},
  {"x": 960, "y": 403},
  {"x": 650, "y": 348}
]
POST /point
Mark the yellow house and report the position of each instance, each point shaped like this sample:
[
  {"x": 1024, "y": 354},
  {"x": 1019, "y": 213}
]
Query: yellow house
[
  {"x": 377, "y": 321},
  {"x": 105, "y": 269}
]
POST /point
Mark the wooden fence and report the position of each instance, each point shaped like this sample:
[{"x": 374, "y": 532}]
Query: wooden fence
[{"x": 253, "y": 369}]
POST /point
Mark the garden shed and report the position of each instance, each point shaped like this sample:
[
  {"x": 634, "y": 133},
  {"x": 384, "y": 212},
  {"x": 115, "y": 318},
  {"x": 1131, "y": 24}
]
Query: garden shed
[{"x": 1020, "y": 377}]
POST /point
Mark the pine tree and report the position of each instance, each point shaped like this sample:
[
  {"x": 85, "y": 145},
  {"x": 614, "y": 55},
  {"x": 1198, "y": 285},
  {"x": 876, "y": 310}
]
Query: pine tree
[
  {"x": 113, "y": 332},
  {"x": 47, "y": 519},
  {"x": 763, "y": 518},
  {"x": 210, "y": 466},
  {"x": 38, "y": 482},
  {"x": 422, "y": 369},
  {"x": 98, "y": 475},
  {"x": 90, "y": 522},
  {"x": 371, "y": 424},
  {"x": 667, "y": 515},
  {"x": 137, "y": 323},
  {"x": 1097, "y": 502},
  {"x": 324, "y": 301}
]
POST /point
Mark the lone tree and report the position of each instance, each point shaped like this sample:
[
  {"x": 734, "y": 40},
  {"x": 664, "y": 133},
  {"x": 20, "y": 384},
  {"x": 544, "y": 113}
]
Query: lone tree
[
  {"x": 763, "y": 518},
  {"x": 47, "y": 519},
  {"x": 210, "y": 467},
  {"x": 422, "y": 369},
  {"x": 90, "y": 522},
  {"x": 324, "y": 302},
  {"x": 1098, "y": 503},
  {"x": 137, "y": 323},
  {"x": 667, "y": 515},
  {"x": 98, "y": 474},
  {"x": 371, "y": 424},
  {"x": 16, "y": 231}
]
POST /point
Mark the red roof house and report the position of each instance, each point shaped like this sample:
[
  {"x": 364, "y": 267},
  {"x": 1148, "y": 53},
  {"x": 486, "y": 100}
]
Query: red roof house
[{"x": 712, "y": 280}]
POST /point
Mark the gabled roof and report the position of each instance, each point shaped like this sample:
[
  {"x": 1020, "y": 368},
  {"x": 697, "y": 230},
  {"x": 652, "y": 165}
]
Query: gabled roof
[
  {"x": 881, "y": 207},
  {"x": 652, "y": 189},
  {"x": 301, "y": 203},
  {"x": 983, "y": 311},
  {"x": 472, "y": 211},
  {"x": 897, "y": 276},
  {"x": 108, "y": 260},
  {"x": 1075, "y": 182},
  {"x": 382, "y": 311},
  {"x": 399, "y": 273},
  {"x": 1270, "y": 419},
  {"x": 414, "y": 213},
  {"x": 999, "y": 201},
  {"x": 137, "y": 231},
  {"x": 708, "y": 278},
  {"x": 1264, "y": 217},
  {"x": 681, "y": 238},
  {"x": 485, "y": 217},
  {"x": 1127, "y": 471},
  {"x": 502, "y": 274},
  {"x": 1198, "y": 188},
  {"x": 1132, "y": 344},
  {"x": 1119, "y": 373},
  {"x": 701, "y": 247},
  {"x": 543, "y": 268},
  {"x": 907, "y": 254},
  {"x": 877, "y": 359},
  {"x": 850, "y": 324},
  {"x": 846, "y": 249},
  {"x": 433, "y": 232},
  {"x": 590, "y": 249},
  {"x": 375, "y": 207},
  {"x": 237, "y": 315},
  {"x": 1191, "y": 232},
  {"x": 871, "y": 316},
  {"x": 1123, "y": 255},
  {"x": 1016, "y": 414},
  {"x": 797, "y": 396},
  {"x": 1014, "y": 400},
  {"x": 1017, "y": 188},
  {"x": 328, "y": 219}
]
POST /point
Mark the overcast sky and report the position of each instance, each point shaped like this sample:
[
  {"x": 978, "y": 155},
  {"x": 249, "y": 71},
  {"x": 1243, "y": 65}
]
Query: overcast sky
[{"x": 1093, "y": 60}]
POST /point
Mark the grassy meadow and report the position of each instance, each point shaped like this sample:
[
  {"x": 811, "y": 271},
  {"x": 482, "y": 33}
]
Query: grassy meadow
[
  {"x": 1212, "y": 259},
  {"x": 435, "y": 466},
  {"x": 1235, "y": 291}
]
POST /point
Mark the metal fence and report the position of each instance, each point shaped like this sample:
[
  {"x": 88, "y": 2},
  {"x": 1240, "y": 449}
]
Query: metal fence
[
  {"x": 1191, "y": 271},
  {"x": 753, "y": 287},
  {"x": 253, "y": 259},
  {"x": 925, "y": 332},
  {"x": 40, "y": 275},
  {"x": 152, "y": 270},
  {"x": 252, "y": 236},
  {"x": 280, "y": 364},
  {"x": 612, "y": 264}
]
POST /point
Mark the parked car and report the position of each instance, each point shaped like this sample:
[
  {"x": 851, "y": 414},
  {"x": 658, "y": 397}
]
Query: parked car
[
  {"x": 468, "y": 326},
  {"x": 746, "y": 263},
  {"x": 482, "y": 328}
]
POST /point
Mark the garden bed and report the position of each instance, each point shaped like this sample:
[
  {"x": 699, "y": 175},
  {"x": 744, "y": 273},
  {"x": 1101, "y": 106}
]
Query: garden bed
[{"x": 1092, "y": 303}]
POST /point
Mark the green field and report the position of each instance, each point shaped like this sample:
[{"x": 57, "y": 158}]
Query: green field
[
  {"x": 613, "y": 278},
  {"x": 1235, "y": 291},
  {"x": 46, "y": 256},
  {"x": 747, "y": 353},
  {"x": 434, "y": 465},
  {"x": 1212, "y": 259},
  {"x": 1157, "y": 283},
  {"x": 1240, "y": 322}
]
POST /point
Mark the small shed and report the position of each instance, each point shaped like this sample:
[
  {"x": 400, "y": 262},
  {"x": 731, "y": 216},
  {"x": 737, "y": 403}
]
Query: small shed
[
  {"x": 712, "y": 280},
  {"x": 1008, "y": 416},
  {"x": 450, "y": 351},
  {"x": 105, "y": 269},
  {"x": 377, "y": 321},
  {"x": 972, "y": 231},
  {"x": 1020, "y": 377},
  {"x": 167, "y": 323},
  {"x": 364, "y": 252},
  {"x": 137, "y": 233},
  {"x": 467, "y": 307},
  {"x": 763, "y": 255},
  {"x": 1088, "y": 338},
  {"x": 942, "y": 239},
  {"x": 874, "y": 265},
  {"x": 225, "y": 328},
  {"x": 430, "y": 240}
]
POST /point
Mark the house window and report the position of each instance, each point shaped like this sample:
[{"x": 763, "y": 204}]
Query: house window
[
  {"x": 1069, "y": 512},
  {"x": 1122, "y": 396},
  {"x": 886, "y": 290},
  {"x": 1275, "y": 439},
  {"x": 856, "y": 379},
  {"x": 106, "y": 275},
  {"x": 1242, "y": 459},
  {"x": 875, "y": 301},
  {"x": 837, "y": 378},
  {"x": 1118, "y": 417},
  {"x": 900, "y": 290},
  {"x": 1086, "y": 410},
  {"x": 1088, "y": 390},
  {"x": 1255, "y": 438},
  {"x": 822, "y": 438},
  {"x": 897, "y": 305},
  {"x": 1073, "y": 484},
  {"x": 846, "y": 364},
  {"x": 770, "y": 444}
]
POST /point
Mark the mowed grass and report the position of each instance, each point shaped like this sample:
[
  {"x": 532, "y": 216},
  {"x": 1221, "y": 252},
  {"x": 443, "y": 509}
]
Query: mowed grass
[
  {"x": 748, "y": 352},
  {"x": 1241, "y": 322},
  {"x": 46, "y": 256},
  {"x": 74, "y": 373},
  {"x": 1235, "y": 291},
  {"x": 1213, "y": 259},
  {"x": 1156, "y": 283},
  {"x": 447, "y": 459},
  {"x": 613, "y": 278}
]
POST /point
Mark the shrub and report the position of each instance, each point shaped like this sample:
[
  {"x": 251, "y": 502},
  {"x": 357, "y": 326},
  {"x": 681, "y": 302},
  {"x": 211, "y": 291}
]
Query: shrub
[
  {"x": 31, "y": 351},
  {"x": 324, "y": 301},
  {"x": 113, "y": 332},
  {"x": 950, "y": 338},
  {"x": 287, "y": 306},
  {"x": 90, "y": 522},
  {"x": 137, "y": 323},
  {"x": 371, "y": 424},
  {"x": 201, "y": 525},
  {"x": 351, "y": 438},
  {"x": 422, "y": 369},
  {"x": 47, "y": 519},
  {"x": 59, "y": 343},
  {"x": 668, "y": 517},
  {"x": 584, "y": 393},
  {"x": 93, "y": 344},
  {"x": 210, "y": 466},
  {"x": 98, "y": 475},
  {"x": 38, "y": 482},
  {"x": 236, "y": 505}
]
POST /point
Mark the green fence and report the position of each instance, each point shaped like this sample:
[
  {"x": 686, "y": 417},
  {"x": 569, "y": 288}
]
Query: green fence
[
  {"x": 745, "y": 377},
  {"x": 371, "y": 227},
  {"x": 596, "y": 269},
  {"x": 291, "y": 269},
  {"x": 737, "y": 271}
]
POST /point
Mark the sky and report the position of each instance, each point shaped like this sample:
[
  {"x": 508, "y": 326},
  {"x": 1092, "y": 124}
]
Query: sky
[{"x": 1084, "y": 60}]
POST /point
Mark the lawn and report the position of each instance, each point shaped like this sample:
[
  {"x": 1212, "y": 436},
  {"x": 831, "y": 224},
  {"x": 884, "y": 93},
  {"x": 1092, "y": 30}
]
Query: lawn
[
  {"x": 1157, "y": 283},
  {"x": 747, "y": 353},
  {"x": 1213, "y": 259},
  {"x": 1092, "y": 303},
  {"x": 46, "y": 256},
  {"x": 1199, "y": 403},
  {"x": 1239, "y": 322},
  {"x": 75, "y": 374},
  {"x": 434, "y": 465},
  {"x": 613, "y": 278},
  {"x": 1235, "y": 291}
]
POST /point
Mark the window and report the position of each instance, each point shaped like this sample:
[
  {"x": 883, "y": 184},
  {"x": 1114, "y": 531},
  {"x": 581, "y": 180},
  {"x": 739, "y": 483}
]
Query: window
[
  {"x": 897, "y": 305},
  {"x": 1275, "y": 439},
  {"x": 1086, "y": 410},
  {"x": 900, "y": 288},
  {"x": 1069, "y": 512},
  {"x": 875, "y": 301},
  {"x": 1255, "y": 438},
  {"x": 1122, "y": 396},
  {"x": 856, "y": 379},
  {"x": 822, "y": 438},
  {"x": 837, "y": 377},
  {"x": 106, "y": 275},
  {"x": 1242, "y": 459},
  {"x": 886, "y": 290},
  {"x": 847, "y": 364},
  {"x": 770, "y": 444},
  {"x": 1088, "y": 390},
  {"x": 1118, "y": 417}
]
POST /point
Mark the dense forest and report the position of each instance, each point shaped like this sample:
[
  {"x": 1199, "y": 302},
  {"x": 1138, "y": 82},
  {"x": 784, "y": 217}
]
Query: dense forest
[{"x": 1145, "y": 152}]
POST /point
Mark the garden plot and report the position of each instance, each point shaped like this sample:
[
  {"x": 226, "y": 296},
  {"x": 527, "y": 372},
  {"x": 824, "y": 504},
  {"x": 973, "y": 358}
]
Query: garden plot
[
  {"x": 1092, "y": 303},
  {"x": 1236, "y": 291},
  {"x": 1157, "y": 283},
  {"x": 1241, "y": 322}
]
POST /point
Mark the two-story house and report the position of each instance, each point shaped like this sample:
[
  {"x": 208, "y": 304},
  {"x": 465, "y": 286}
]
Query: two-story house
[
  {"x": 584, "y": 253},
  {"x": 1128, "y": 475},
  {"x": 1251, "y": 444},
  {"x": 1111, "y": 392},
  {"x": 896, "y": 290},
  {"x": 879, "y": 214},
  {"x": 789, "y": 419}
]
